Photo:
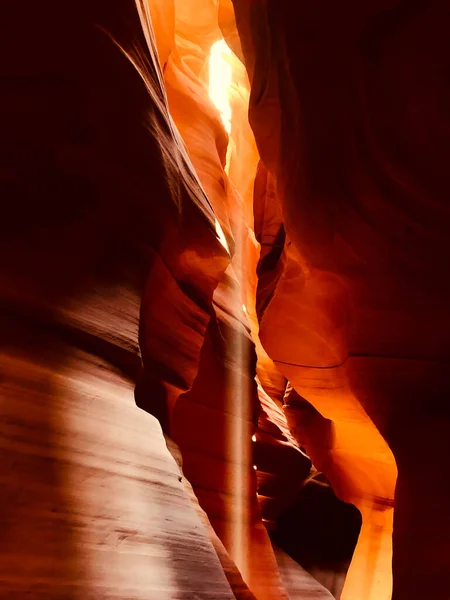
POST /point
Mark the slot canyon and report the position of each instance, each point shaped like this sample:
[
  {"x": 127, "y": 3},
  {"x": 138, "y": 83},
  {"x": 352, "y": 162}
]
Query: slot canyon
[{"x": 224, "y": 300}]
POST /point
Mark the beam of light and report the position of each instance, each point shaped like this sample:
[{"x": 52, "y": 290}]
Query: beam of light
[
  {"x": 220, "y": 77},
  {"x": 220, "y": 81},
  {"x": 238, "y": 395},
  {"x": 221, "y": 236}
]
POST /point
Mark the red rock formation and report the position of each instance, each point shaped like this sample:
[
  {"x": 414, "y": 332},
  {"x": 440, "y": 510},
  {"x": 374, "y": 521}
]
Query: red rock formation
[
  {"x": 213, "y": 423},
  {"x": 283, "y": 468},
  {"x": 103, "y": 208},
  {"x": 298, "y": 582},
  {"x": 349, "y": 115},
  {"x": 146, "y": 244},
  {"x": 97, "y": 189}
]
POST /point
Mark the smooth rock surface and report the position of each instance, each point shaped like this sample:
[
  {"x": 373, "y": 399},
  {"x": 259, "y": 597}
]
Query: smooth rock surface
[{"x": 349, "y": 113}]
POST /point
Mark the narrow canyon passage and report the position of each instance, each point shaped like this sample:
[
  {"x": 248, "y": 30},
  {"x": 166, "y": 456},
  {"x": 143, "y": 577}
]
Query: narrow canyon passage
[{"x": 224, "y": 300}]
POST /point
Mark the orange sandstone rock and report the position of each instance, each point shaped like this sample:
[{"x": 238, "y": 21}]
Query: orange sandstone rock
[{"x": 349, "y": 117}]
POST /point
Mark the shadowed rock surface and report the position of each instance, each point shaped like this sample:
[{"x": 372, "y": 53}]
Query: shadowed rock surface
[{"x": 203, "y": 330}]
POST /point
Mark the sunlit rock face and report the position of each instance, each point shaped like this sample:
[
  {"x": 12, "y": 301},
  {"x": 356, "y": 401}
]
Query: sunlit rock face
[
  {"x": 97, "y": 193},
  {"x": 204, "y": 329},
  {"x": 131, "y": 264},
  {"x": 214, "y": 421},
  {"x": 349, "y": 109}
]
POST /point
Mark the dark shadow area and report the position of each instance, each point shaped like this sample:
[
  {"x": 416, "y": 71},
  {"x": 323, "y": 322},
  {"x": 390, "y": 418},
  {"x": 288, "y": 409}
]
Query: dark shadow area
[
  {"x": 85, "y": 195},
  {"x": 320, "y": 533}
]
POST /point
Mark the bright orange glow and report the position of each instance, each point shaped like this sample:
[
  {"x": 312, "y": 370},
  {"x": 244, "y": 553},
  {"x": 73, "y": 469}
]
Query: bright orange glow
[
  {"x": 238, "y": 544},
  {"x": 221, "y": 236},
  {"x": 220, "y": 76}
]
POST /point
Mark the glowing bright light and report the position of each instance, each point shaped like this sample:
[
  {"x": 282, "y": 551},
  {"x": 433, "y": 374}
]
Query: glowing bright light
[
  {"x": 220, "y": 75},
  {"x": 253, "y": 438},
  {"x": 244, "y": 308},
  {"x": 238, "y": 534},
  {"x": 221, "y": 236},
  {"x": 255, "y": 467}
]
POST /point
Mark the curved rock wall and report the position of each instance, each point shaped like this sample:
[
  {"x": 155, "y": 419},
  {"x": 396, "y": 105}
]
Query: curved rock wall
[
  {"x": 127, "y": 250},
  {"x": 97, "y": 191},
  {"x": 355, "y": 311},
  {"x": 214, "y": 421},
  {"x": 258, "y": 307}
]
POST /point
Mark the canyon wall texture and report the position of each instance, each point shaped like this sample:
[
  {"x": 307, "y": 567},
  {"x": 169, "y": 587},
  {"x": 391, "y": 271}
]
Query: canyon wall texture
[
  {"x": 117, "y": 273},
  {"x": 222, "y": 291},
  {"x": 97, "y": 192},
  {"x": 354, "y": 100}
]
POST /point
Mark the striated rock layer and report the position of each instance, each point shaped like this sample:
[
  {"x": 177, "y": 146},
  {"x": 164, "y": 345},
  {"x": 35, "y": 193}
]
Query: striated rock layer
[
  {"x": 260, "y": 298},
  {"x": 213, "y": 422},
  {"x": 130, "y": 261},
  {"x": 349, "y": 109},
  {"x": 97, "y": 191}
]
